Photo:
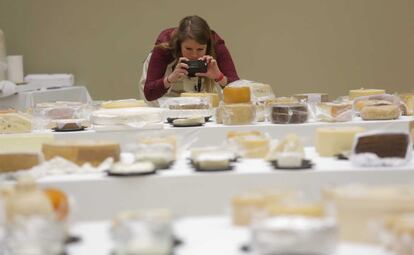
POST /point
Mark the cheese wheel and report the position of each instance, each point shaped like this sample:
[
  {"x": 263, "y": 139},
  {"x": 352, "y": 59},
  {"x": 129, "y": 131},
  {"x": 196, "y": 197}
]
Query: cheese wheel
[
  {"x": 18, "y": 161},
  {"x": 238, "y": 114},
  {"x": 214, "y": 97},
  {"x": 82, "y": 151},
  {"x": 236, "y": 95},
  {"x": 335, "y": 140},
  {"x": 364, "y": 92},
  {"x": 124, "y": 103}
]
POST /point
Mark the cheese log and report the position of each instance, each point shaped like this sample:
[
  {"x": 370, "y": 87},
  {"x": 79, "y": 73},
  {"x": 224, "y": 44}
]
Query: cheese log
[
  {"x": 82, "y": 151},
  {"x": 335, "y": 140},
  {"x": 364, "y": 92},
  {"x": 14, "y": 123},
  {"x": 408, "y": 99},
  {"x": 28, "y": 143},
  {"x": 214, "y": 97},
  {"x": 238, "y": 114},
  {"x": 236, "y": 95},
  {"x": 380, "y": 112},
  {"x": 358, "y": 105},
  {"x": 18, "y": 161},
  {"x": 124, "y": 103}
]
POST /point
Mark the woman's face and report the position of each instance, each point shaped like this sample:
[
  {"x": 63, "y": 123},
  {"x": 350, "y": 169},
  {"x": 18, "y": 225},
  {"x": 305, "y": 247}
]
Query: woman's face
[{"x": 192, "y": 49}]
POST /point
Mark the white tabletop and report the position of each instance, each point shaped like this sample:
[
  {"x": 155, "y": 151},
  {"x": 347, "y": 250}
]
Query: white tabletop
[
  {"x": 200, "y": 236},
  {"x": 187, "y": 192}
]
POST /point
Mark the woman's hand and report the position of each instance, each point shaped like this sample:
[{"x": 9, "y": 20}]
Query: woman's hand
[
  {"x": 179, "y": 72},
  {"x": 213, "y": 71}
]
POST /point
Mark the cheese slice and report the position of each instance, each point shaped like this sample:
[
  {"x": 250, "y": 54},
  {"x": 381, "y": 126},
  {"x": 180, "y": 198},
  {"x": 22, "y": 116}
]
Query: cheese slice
[
  {"x": 214, "y": 97},
  {"x": 124, "y": 103},
  {"x": 332, "y": 110},
  {"x": 14, "y": 123},
  {"x": 18, "y": 161},
  {"x": 364, "y": 92},
  {"x": 236, "y": 95},
  {"x": 82, "y": 151},
  {"x": 28, "y": 143},
  {"x": 331, "y": 141}
]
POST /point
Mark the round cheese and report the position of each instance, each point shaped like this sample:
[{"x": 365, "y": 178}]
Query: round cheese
[
  {"x": 82, "y": 151},
  {"x": 236, "y": 95}
]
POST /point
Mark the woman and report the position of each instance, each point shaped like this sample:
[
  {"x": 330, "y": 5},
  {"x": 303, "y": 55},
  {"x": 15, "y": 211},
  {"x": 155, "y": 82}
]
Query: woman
[{"x": 193, "y": 40}]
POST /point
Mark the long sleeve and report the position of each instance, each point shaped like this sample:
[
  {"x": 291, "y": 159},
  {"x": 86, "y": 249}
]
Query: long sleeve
[{"x": 224, "y": 60}]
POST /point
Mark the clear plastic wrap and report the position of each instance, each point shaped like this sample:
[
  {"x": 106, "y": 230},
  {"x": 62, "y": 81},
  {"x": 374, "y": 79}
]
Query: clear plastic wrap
[
  {"x": 123, "y": 103},
  {"x": 289, "y": 152},
  {"x": 236, "y": 114},
  {"x": 186, "y": 103},
  {"x": 397, "y": 234},
  {"x": 333, "y": 111},
  {"x": 379, "y": 107},
  {"x": 381, "y": 148},
  {"x": 260, "y": 92},
  {"x": 408, "y": 103},
  {"x": 289, "y": 114}
]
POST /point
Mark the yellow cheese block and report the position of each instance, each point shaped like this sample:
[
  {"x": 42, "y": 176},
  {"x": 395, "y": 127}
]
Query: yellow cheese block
[
  {"x": 82, "y": 151},
  {"x": 18, "y": 161},
  {"x": 236, "y": 95},
  {"x": 214, "y": 97},
  {"x": 15, "y": 123},
  {"x": 331, "y": 141},
  {"x": 124, "y": 103},
  {"x": 408, "y": 99},
  {"x": 28, "y": 143},
  {"x": 364, "y": 92},
  {"x": 238, "y": 114}
]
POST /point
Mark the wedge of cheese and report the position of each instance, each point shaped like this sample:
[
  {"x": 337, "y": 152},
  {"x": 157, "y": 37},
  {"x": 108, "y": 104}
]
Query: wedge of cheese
[{"x": 15, "y": 123}]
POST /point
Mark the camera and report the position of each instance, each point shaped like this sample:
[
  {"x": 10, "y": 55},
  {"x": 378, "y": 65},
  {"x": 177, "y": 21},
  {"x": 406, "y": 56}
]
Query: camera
[{"x": 196, "y": 66}]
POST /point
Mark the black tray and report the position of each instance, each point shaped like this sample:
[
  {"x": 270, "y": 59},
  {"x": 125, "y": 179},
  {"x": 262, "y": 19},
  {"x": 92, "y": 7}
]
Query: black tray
[
  {"x": 191, "y": 125},
  {"x": 170, "y": 120},
  {"x": 55, "y": 129},
  {"x": 306, "y": 164},
  {"x": 197, "y": 169}
]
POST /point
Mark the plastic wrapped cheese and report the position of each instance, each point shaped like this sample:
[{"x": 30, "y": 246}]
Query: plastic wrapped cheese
[
  {"x": 124, "y": 103},
  {"x": 236, "y": 114},
  {"x": 236, "y": 95},
  {"x": 214, "y": 97},
  {"x": 364, "y": 92},
  {"x": 15, "y": 123},
  {"x": 334, "y": 112},
  {"x": 250, "y": 146}
]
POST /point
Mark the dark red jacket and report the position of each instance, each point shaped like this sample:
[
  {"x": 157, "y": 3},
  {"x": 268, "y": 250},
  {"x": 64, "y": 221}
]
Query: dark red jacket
[{"x": 161, "y": 58}]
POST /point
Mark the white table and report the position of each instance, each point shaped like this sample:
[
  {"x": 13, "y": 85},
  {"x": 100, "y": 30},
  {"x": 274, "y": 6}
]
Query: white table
[
  {"x": 186, "y": 192},
  {"x": 213, "y": 134},
  {"x": 200, "y": 236}
]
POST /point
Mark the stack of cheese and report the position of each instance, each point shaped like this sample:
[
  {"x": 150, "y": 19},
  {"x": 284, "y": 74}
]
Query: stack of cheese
[
  {"x": 358, "y": 208},
  {"x": 82, "y": 151},
  {"x": 21, "y": 151},
  {"x": 249, "y": 144},
  {"x": 237, "y": 108}
]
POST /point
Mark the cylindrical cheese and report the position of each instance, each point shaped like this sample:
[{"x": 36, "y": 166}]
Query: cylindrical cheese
[
  {"x": 214, "y": 97},
  {"x": 81, "y": 152},
  {"x": 236, "y": 95},
  {"x": 331, "y": 141},
  {"x": 18, "y": 161},
  {"x": 364, "y": 92}
]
